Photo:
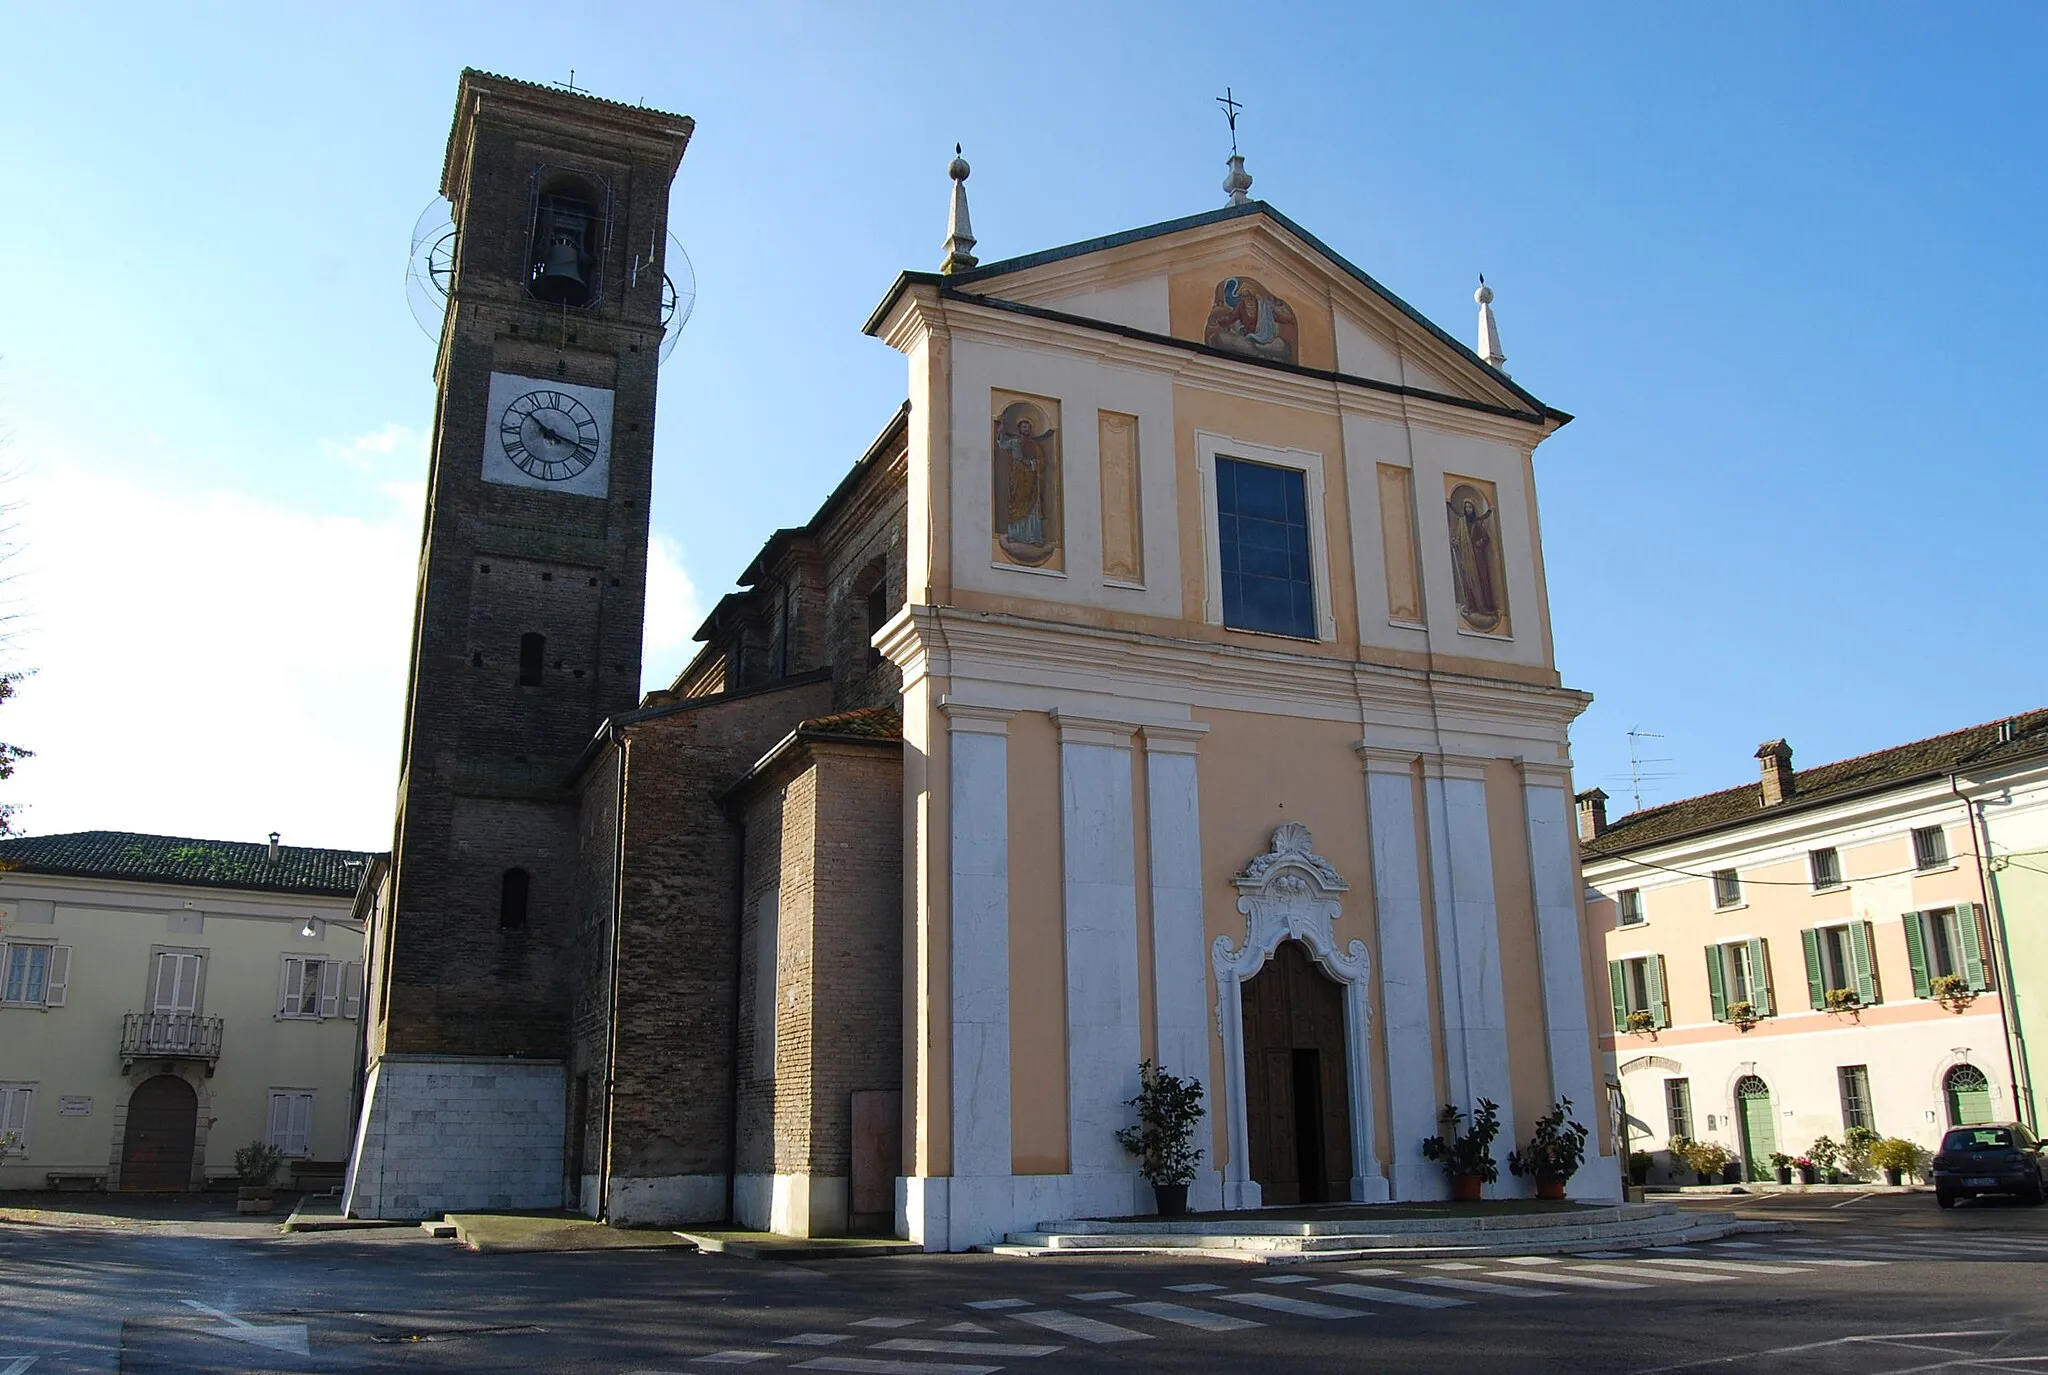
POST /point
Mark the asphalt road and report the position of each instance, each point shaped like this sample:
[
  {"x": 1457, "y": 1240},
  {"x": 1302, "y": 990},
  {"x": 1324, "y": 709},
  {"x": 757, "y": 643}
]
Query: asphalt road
[{"x": 1871, "y": 1285}]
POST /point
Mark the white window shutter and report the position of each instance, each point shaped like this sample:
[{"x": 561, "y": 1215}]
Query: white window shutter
[
  {"x": 330, "y": 987},
  {"x": 165, "y": 987},
  {"x": 59, "y": 977},
  {"x": 280, "y": 1119},
  {"x": 290, "y": 984},
  {"x": 299, "y": 1132},
  {"x": 352, "y": 989},
  {"x": 14, "y": 1107},
  {"x": 187, "y": 967}
]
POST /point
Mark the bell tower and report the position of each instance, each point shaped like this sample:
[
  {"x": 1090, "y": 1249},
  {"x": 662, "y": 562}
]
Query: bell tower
[{"x": 526, "y": 635}]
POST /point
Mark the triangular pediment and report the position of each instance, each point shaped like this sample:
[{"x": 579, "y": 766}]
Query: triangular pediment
[{"x": 1250, "y": 283}]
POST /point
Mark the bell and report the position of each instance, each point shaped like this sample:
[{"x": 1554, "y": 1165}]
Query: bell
[{"x": 559, "y": 275}]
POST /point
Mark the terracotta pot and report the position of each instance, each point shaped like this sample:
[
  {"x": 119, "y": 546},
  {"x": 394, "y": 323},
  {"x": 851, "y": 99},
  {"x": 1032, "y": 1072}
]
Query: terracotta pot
[
  {"x": 1549, "y": 1186},
  {"x": 1172, "y": 1199},
  {"x": 1465, "y": 1188}
]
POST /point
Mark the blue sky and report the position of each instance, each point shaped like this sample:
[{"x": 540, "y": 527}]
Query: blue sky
[{"x": 1778, "y": 260}]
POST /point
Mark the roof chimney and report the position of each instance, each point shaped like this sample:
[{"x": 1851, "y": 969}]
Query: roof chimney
[
  {"x": 273, "y": 847},
  {"x": 1592, "y": 814},
  {"x": 1777, "y": 759}
]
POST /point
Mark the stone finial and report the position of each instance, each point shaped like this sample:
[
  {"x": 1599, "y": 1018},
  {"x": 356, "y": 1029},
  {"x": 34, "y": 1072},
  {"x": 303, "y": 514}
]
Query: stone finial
[
  {"x": 1592, "y": 814},
  {"x": 1778, "y": 780},
  {"x": 1238, "y": 182},
  {"x": 959, "y": 232},
  {"x": 1489, "y": 331}
]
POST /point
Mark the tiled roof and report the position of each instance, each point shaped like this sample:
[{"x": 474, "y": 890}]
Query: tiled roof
[
  {"x": 867, "y": 723},
  {"x": 1974, "y": 748},
  {"x": 195, "y": 863}
]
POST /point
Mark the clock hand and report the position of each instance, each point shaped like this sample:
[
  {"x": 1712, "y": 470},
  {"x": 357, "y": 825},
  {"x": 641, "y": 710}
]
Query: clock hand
[{"x": 551, "y": 432}]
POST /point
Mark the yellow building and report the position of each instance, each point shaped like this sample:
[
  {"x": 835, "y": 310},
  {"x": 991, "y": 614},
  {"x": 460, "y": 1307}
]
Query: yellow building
[{"x": 166, "y": 1001}]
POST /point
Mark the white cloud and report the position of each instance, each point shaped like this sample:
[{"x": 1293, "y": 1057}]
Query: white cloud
[
  {"x": 673, "y": 615},
  {"x": 208, "y": 664}
]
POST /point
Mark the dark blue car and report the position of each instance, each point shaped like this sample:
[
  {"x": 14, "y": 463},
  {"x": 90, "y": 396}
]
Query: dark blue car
[{"x": 1997, "y": 1158}]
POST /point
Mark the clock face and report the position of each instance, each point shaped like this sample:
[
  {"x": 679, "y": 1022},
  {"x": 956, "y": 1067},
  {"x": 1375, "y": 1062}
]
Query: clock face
[{"x": 549, "y": 435}]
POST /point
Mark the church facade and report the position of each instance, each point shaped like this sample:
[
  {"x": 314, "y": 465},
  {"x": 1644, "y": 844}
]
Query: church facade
[{"x": 1170, "y": 680}]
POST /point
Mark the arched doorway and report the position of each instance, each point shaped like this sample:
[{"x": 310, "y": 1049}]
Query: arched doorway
[
  {"x": 1297, "y": 1105},
  {"x": 1969, "y": 1096},
  {"x": 156, "y": 1149},
  {"x": 1759, "y": 1129}
]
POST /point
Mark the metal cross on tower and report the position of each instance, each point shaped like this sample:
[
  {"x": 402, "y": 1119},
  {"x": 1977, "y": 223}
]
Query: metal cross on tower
[{"x": 1230, "y": 108}]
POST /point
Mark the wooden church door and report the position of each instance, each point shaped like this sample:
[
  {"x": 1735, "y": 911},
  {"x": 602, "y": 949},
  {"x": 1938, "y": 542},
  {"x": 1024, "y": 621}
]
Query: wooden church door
[{"x": 1297, "y": 1099}]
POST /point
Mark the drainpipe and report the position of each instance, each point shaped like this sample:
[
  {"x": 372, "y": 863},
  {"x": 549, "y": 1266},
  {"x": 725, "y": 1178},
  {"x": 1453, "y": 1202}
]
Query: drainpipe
[
  {"x": 732, "y": 1052},
  {"x": 611, "y": 1053},
  {"x": 2008, "y": 1019}
]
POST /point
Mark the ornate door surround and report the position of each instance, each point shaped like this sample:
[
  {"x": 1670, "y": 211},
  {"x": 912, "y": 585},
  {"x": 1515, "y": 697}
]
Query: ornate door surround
[{"x": 1291, "y": 892}]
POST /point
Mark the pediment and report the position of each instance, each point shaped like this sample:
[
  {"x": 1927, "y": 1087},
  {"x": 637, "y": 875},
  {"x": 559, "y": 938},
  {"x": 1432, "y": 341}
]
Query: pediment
[{"x": 1251, "y": 283}]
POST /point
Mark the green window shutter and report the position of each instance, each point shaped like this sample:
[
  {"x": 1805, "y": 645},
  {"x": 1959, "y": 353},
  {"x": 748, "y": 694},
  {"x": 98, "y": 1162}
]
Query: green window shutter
[
  {"x": 1660, "y": 1007},
  {"x": 1973, "y": 945},
  {"x": 1760, "y": 970},
  {"x": 1717, "y": 983},
  {"x": 1816, "y": 977},
  {"x": 1617, "y": 984},
  {"x": 1866, "y": 963},
  {"x": 1916, "y": 952}
]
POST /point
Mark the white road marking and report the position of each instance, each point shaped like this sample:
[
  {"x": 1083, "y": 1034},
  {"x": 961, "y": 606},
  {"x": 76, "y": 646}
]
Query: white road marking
[
  {"x": 1196, "y": 1288},
  {"x": 815, "y": 1339},
  {"x": 1601, "y": 1255},
  {"x": 1284, "y": 1279},
  {"x": 1293, "y": 1307},
  {"x": 862, "y": 1366},
  {"x": 1644, "y": 1271},
  {"x": 929, "y": 1347},
  {"x": 1513, "y": 1291},
  {"x": 1824, "y": 1260},
  {"x": 1371, "y": 1272},
  {"x": 1374, "y": 1293},
  {"x": 1746, "y": 1267},
  {"x": 989, "y": 1305},
  {"x": 1080, "y": 1328},
  {"x": 885, "y": 1322},
  {"x": 733, "y": 1358},
  {"x": 1454, "y": 1265},
  {"x": 1869, "y": 1338},
  {"x": 286, "y": 1337},
  {"x": 1190, "y": 1317},
  {"x": 1523, "y": 1260},
  {"x": 17, "y": 1365},
  {"x": 1745, "y": 1244},
  {"x": 964, "y": 1327},
  {"x": 1565, "y": 1277},
  {"x": 1102, "y": 1296}
]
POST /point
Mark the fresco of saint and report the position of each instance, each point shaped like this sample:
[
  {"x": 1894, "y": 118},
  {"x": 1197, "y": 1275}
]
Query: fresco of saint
[
  {"x": 1476, "y": 573},
  {"x": 1251, "y": 320},
  {"x": 1026, "y": 485}
]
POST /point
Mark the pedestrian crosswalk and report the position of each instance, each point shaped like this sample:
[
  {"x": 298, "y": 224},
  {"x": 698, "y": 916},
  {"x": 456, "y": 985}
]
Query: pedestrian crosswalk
[{"x": 1013, "y": 1331}]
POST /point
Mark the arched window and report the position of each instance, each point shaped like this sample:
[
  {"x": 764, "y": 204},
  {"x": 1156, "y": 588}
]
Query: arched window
[
  {"x": 875, "y": 578},
  {"x": 512, "y": 890},
  {"x": 1969, "y": 1096},
  {"x": 533, "y": 649},
  {"x": 566, "y": 241}
]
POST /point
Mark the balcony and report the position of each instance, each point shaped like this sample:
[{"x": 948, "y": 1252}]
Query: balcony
[{"x": 169, "y": 1036}]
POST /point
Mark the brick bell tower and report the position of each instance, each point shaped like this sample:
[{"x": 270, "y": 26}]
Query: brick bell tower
[{"x": 526, "y": 636}]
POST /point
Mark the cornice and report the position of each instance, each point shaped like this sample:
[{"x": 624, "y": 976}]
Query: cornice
[
  {"x": 1543, "y": 773},
  {"x": 1093, "y": 730},
  {"x": 964, "y": 719},
  {"x": 1181, "y": 739}
]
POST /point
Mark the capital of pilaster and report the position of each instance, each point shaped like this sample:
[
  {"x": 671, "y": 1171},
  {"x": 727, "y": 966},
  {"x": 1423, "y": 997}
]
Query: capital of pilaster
[
  {"x": 964, "y": 718},
  {"x": 1469, "y": 768},
  {"x": 1387, "y": 758},
  {"x": 1093, "y": 730},
  {"x": 1543, "y": 773},
  {"x": 1180, "y": 738}
]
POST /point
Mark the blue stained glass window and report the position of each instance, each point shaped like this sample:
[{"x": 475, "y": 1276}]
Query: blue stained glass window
[{"x": 1262, "y": 539}]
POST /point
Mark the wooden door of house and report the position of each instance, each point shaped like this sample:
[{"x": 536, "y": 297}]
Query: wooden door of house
[
  {"x": 156, "y": 1149},
  {"x": 1969, "y": 1096},
  {"x": 1297, "y": 1099},
  {"x": 1759, "y": 1130}
]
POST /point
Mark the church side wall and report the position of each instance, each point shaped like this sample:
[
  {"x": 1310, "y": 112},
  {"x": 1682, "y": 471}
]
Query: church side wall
[{"x": 590, "y": 1016}]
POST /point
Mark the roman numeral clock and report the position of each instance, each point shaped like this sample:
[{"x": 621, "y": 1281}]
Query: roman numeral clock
[{"x": 551, "y": 435}]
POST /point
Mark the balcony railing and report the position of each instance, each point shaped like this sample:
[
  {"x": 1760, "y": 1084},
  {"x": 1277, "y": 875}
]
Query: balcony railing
[{"x": 169, "y": 1036}]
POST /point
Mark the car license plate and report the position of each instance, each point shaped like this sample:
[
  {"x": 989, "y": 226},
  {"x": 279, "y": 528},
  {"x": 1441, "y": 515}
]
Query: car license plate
[{"x": 1980, "y": 1183}]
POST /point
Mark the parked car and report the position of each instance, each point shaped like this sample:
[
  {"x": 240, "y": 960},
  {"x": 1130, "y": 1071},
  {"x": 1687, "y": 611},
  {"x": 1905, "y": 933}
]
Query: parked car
[{"x": 1997, "y": 1158}]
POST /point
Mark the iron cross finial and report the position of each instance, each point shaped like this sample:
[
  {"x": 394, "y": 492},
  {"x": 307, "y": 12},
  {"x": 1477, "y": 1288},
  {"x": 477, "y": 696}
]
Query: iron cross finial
[{"x": 1230, "y": 106}]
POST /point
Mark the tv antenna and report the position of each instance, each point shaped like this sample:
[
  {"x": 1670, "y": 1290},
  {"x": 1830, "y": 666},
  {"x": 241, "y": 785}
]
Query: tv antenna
[{"x": 1636, "y": 760}]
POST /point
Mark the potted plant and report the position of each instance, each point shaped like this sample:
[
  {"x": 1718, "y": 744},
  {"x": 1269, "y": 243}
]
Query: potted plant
[
  {"x": 1554, "y": 1152},
  {"x": 1164, "y": 1137},
  {"x": 1952, "y": 991},
  {"x": 1707, "y": 1159},
  {"x": 1731, "y": 1173},
  {"x": 1743, "y": 1014},
  {"x": 1897, "y": 1157},
  {"x": 1639, "y": 1163},
  {"x": 256, "y": 1165},
  {"x": 1856, "y": 1146},
  {"x": 1806, "y": 1170},
  {"x": 1467, "y": 1155},
  {"x": 1642, "y": 1023},
  {"x": 1825, "y": 1154},
  {"x": 1839, "y": 1000},
  {"x": 1781, "y": 1165}
]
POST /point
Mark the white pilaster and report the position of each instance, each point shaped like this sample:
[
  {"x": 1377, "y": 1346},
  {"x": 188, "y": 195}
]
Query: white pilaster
[
  {"x": 1101, "y": 901},
  {"x": 1403, "y": 970},
  {"x": 1180, "y": 983},
  {"x": 980, "y": 939},
  {"x": 1468, "y": 941},
  {"x": 1553, "y": 831}
]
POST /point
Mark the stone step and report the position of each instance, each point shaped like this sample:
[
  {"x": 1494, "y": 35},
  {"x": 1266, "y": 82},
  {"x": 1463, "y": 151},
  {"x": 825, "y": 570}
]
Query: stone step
[
  {"x": 1257, "y": 1250},
  {"x": 1254, "y": 1223}
]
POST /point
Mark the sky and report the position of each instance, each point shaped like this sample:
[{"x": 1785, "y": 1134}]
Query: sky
[{"x": 1778, "y": 259}]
